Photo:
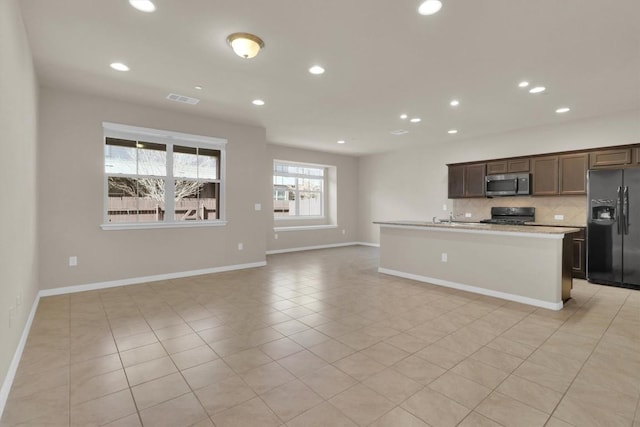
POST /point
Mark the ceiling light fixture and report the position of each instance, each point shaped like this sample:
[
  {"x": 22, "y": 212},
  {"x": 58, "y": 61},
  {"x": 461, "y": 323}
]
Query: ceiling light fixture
[
  {"x": 403, "y": 116},
  {"x": 430, "y": 7},
  {"x": 416, "y": 120},
  {"x": 316, "y": 69},
  {"x": 563, "y": 110},
  {"x": 537, "y": 89},
  {"x": 341, "y": 141},
  {"x": 452, "y": 131},
  {"x": 258, "y": 102},
  {"x": 245, "y": 45},
  {"x": 143, "y": 5},
  {"x": 454, "y": 103},
  {"x": 523, "y": 83},
  {"x": 119, "y": 66}
]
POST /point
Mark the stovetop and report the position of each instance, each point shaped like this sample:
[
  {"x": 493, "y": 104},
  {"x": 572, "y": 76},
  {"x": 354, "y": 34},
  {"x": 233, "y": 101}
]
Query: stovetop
[{"x": 511, "y": 216}]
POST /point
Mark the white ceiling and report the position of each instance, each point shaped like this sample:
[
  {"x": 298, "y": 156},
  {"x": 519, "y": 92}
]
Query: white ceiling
[{"x": 382, "y": 59}]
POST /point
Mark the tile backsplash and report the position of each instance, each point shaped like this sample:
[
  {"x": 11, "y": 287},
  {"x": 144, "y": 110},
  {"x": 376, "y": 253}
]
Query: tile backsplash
[{"x": 573, "y": 208}]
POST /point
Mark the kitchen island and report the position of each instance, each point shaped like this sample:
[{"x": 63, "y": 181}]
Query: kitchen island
[{"x": 527, "y": 264}]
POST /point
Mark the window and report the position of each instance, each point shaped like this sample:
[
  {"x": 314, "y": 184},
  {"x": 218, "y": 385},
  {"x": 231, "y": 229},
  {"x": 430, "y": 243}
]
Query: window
[
  {"x": 161, "y": 178},
  {"x": 298, "y": 190}
]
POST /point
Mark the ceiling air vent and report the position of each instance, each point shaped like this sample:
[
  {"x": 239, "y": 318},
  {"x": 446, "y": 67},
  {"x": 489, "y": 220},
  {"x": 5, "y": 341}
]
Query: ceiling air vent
[
  {"x": 182, "y": 98},
  {"x": 398, "y": 132}
]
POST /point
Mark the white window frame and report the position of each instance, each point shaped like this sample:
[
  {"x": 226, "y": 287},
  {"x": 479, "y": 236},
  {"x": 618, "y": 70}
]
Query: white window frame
[
  {"x": 169, "y": 138},
  {"x": 297, "y": 218}
]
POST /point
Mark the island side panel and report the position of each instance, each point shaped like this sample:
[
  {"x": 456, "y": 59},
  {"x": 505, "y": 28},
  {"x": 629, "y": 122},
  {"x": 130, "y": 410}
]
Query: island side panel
[{"x": 529, "y": 267}]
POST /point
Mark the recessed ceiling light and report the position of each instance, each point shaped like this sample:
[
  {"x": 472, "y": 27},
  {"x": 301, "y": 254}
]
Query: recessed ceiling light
[
  {"x": 340, "y": 142},
  {"x": 398, "y": 132},
  {"x": 523, "y": 83},
  {"x": 316, "y": 69},
  {"x": 119, "y": 66},
  {"x": 454, "y": 103},
  {"x": 430, "y": 7},
  {"x": 198, "y": 87},
  {"x": 258, "y": 102},
  {"x": 403, "y": 116},
  {"x": 563, "y": 110},
  {"x": 143, "y": 5},
  {"x": 452, "y": 131},
  {"x": 416, "y": 120},
  {"x": 537, "y": 89}
]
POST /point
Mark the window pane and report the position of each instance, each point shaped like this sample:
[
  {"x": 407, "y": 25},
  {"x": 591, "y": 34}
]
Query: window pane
[
  {"x": 151, "y": 196},
  {"x": 135, "y": 200},
  {"x": 306, "y": 184},
  {"x": 120, "y": 156},
  {"x": 285, "y": 181},
  {"x": 208, "y": 201},
  {"x": 152, "y": 159},
  {"x": 186, "y": 199},
  {"x": 185, "y": 162},
  {"x": 310, "y": 204},
  {"x": 208, "y": 163}
]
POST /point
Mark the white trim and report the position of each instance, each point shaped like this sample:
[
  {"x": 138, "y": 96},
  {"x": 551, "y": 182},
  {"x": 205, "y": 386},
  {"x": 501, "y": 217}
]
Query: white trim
[
  {"x": 474, "y": 289},
  {"x": 304, "y": 228},
  {"x": 148, "y": 225},
  {"x": 311, "y": 248},
  {"x": 468, "y": 229},
  {"x": 154, "y": 278},
  {"x": 373, "y": 245},
  {"x": 17, "y": 355},
  {"x": 117, "y": 130}
]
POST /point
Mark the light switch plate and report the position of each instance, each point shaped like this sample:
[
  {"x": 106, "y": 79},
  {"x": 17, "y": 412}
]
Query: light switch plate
[{"x": 558, "y": 217}]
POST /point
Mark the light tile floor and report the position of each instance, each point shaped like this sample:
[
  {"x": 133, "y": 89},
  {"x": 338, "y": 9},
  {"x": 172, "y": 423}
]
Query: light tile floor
[{"x": 320, "y": 338}]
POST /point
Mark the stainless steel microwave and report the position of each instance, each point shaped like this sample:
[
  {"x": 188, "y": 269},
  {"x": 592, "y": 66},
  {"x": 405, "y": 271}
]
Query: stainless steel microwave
[{"x": 515, "y": 184}]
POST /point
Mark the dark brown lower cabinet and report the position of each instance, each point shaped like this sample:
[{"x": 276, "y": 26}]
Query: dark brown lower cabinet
[{"x": 579, "y": 255}]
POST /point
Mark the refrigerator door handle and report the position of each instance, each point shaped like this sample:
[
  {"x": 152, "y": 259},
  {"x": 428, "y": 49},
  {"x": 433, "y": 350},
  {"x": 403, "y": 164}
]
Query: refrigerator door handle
[
  {"x": 619, "y": 207},
  {"x": 625, "y": 210}
]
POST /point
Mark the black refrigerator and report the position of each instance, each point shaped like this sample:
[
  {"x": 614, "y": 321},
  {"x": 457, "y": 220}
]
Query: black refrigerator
[{"x": 613, "y": 227}]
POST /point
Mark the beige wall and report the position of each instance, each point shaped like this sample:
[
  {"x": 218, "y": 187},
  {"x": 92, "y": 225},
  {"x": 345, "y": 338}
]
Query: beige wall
[
  {"x": 71, "y": 196},
  {"x": 345, "y": 191},
  {"x": 412, "y": 183},
  {"x": 18, "y": 123}
]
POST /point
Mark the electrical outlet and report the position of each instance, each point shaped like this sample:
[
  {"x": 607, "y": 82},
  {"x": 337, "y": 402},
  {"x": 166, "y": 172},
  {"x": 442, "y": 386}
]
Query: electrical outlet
[
  {"x": 19, "y": 300},
  {"x": 73, "y": 261},
  {"x": 11, "y": 314},
  {"x": 468, "y": 215},
  {"x": 444, "y": 207},
  {"x": 240, "y": 246},
  {"x": 275, "y": 236},
  {"x": 344, "y": 231},
  {"x": 443, "y": 257},
  {"x": 558, "y": 217}
]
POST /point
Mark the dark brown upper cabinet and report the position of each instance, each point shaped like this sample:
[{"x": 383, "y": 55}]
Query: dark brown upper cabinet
[
  {"x": 466, "y": 181},
  {"x": 545, "y": 175},
  {"x": 573, "y": 173},
  {"x": 610, "y": 158},
  {"x": 474, "y": 180},
  {"x": 508, "y": 166},
  {"x": 456, "y": 181}
]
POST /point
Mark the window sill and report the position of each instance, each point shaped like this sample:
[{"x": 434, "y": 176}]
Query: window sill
[
  {"x": 305, "y": 228},
  {"x": 144, "y": 226}
]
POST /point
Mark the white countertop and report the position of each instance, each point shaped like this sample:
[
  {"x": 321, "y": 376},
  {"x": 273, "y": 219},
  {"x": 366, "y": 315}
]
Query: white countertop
[{"x": 476, "y": 227}]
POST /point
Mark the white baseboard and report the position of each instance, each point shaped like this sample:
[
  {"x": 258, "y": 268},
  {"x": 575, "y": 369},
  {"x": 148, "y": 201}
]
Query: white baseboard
[
  {"x": 474, "y": 289},
  {"x": 13, "y": 367},
  {"x": 373, "y": 245},
  {"x": 155, "y": 278},
  {"x": 311, "y": 248}
]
